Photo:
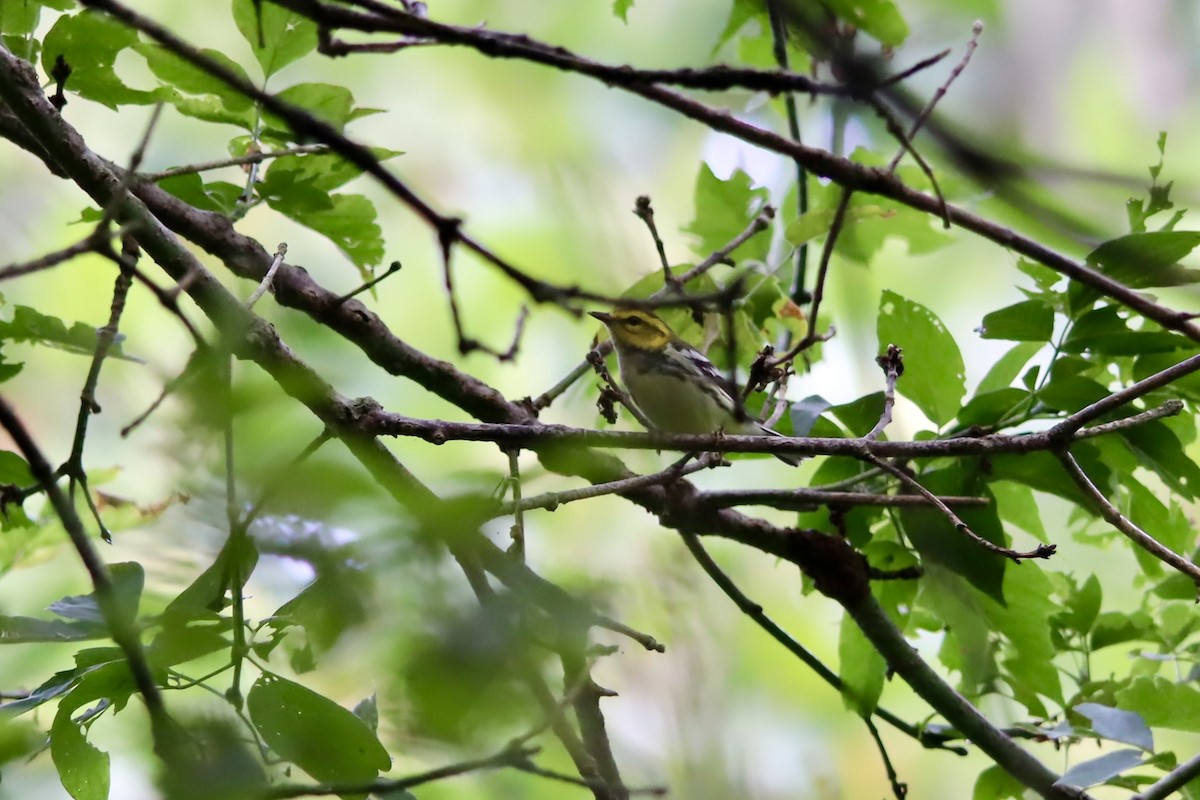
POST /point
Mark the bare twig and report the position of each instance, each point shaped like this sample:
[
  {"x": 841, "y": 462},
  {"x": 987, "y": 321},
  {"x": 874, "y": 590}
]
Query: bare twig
[
  {"x": 115, "y": 614},
  {"x": 760, "y": 223},
  {"x": 267, "y": 280},
  {"x": 976, "y": 30},
  {"x": 552, "y": 500},
  {"x": 760, "y": 618},
  {"x": 1171, "y": 782},
  {"x": 892, "y": 364},
  {"x": 645, "y": 212},
  {"x": 810, "y": 499},
  {"x": 392, "y": 269},
  {"x": 249, "y": 158},
  {"x": 518, "y": 527},
  {"x": 899, "y": 788},
  {"x": 1041, "y": 551},
  {"x": 1123, "y": 524},
  {"x": 543, "y": 400},
  {"x": 505, "y": 758}
]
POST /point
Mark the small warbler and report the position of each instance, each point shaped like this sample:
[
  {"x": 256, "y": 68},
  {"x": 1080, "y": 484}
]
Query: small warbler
[{"x": 672, "y": 383}]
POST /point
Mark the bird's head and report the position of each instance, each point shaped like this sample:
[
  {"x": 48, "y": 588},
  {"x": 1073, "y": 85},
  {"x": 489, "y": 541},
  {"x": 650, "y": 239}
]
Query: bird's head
[{"x": 635, "y": 329}]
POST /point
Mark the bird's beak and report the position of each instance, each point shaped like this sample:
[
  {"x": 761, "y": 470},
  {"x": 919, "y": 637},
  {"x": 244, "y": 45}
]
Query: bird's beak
[{"x": 600, "y": 315}]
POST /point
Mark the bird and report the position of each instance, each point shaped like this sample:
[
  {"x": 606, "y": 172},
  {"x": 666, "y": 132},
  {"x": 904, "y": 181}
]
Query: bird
[{"x": 674, "y": 385}]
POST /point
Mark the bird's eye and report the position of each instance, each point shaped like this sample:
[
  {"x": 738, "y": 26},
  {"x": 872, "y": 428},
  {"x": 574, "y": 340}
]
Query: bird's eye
[{"x": 633, "y": 322}]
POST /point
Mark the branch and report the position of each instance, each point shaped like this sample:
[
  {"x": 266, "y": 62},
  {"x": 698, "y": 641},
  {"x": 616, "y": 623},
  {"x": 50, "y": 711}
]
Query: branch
[
  {"x": 536, "y": 434},
  {"x": 1171, "y": 782},
  {"x": 116, "y": 614},
  {"x": 1042, "y": 550},
  {"x": 809, "y": 499},
  {"x": 1123, "y": 523},
  {"x": 508, "y": 757},
  {"x": 819, "y": 162}
]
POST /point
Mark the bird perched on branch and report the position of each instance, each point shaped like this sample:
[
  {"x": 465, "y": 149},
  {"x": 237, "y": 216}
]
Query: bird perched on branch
[{"x": 677, "y": 389}]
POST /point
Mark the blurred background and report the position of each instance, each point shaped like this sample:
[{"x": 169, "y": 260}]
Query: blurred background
[{"x": 545, "y": 167}]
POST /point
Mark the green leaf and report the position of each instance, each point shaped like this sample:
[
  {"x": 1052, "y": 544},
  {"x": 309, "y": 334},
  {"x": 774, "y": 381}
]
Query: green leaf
[
  {"x": 995, "y": 783},
  {"x": 327, "y": 607},
  {"x": 1042, "y": 471},
  {"x": 1104, "y": 332},
  {"x": 723, "y": 210},
  {"x": 278, "y": 38},
  {"x": 1016, "y": 504},
  {"x": 1027, "y": 321},
  {"x": 14, "y": 470},
  {"x": 1115, "y": 627},
  {"x": 1141, "y": 260},
  {"x": 333, "y": 104},
  {"x": 127, "y": 581},
  {"x": 1071, "y": 393},
  {"x": 989, "y": 409},
  {"x": 19, "y": 17},
  {"x": 861, "y": 415},
  {"x": 939, "y": 541},
  {"x": 1162, "y": 703},
  {"x": 21, "y": 630},
  {"x": 1100, "y": 769},
  {"x": 315, "y": 733},
  {"x": 322, "y": 172},
  {"x": 219, "y": 196},
  {"x": 1158, "y": 448},
  {"x": 185, "y": 77},
  {"x": 1006, "y": 368},
  {"x": 57, "y": 684},
  {"x": 620, "y": 9},
  {"x": 1024, "y": 620},
  {"x": 82, "y": 768},
  {"x": 90, "y": 42},
  {"x": 934, "y": 374},
  {"x": 349, "y": 222},
  {"x": 967, "y": 647},
  {"x": 1119, "y": 726},
  {"x": 861, "y": 667},
  {"x": 1083, "y": 606},
  {"x": 879, "y": 18},
  {"x": 861, "y": 241},
  {"x": 179, "y": 644},
  {"x": 817, "y": 222},
  {"x": 32, "y": 326}
]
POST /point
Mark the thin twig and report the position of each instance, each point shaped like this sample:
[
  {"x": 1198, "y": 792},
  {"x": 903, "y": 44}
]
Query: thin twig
[
  {"x": 518, "y": 527},
  {"x": 392, "y": 269},
  {"x": 120, "y": 627},
  {"x": 1122, "y": 523},
  {"x": 976, "y": 30},
  {"x": 552, "y": 500},
  {"x": 779, "y": 46},
  {"x": 811, "y": 336},
  {"x": 505, "y": 758},
  {"x": 760, "y": 618},
  {"x": 1041, "y": 551},
  {"x": 810, "y": 499},
  {"x": 543, "y": 400},
  {"x": 1171, "y": 782},
  {"x": 905, "y": 74},
  {"x": 899, "y": 789},
  {"x": 892, "y": 364},
  {"x": 645, "y": 212},
  {"x": 249, "y": 158},
  {"x": 73, "y": 468},
  {"x": 267, "y": 280},
  {"x": 760, "y": 223}
]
